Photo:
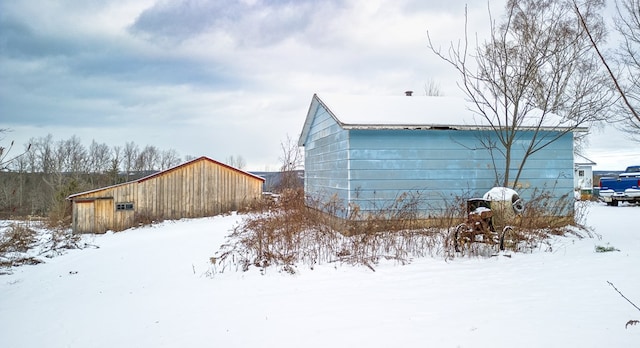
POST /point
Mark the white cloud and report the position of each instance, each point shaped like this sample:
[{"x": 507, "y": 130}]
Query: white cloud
[{"x": 209, "y": 78}]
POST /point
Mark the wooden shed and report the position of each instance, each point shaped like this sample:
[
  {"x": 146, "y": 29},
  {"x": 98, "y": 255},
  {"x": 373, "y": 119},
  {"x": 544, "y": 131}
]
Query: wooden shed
[
  {"x": 365, "y": 152},
  {"x": 198, "y": 188}
]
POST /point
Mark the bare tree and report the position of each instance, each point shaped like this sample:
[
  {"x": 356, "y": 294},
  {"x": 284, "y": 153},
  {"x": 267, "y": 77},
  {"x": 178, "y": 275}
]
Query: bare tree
[
  {"x": 236, "y": 162},
  {"x": 31, "y": 158},
  {"x": 536, "y": 74},
  {"x": 12, "y": 187},
  {"x": 432, "y": 88},
  {"x": 69, "y": 159},
  {"x": 188, "y": 158},
  {"x": 168, "y": 159},
  {"x": 43, "y": 151},
  {"x": 230, "y": 161},
  {"x": 5, "y": 159},
  {"x": 20, "y": 164},
  {"x": 60, "y": 159},
  {"x": 116, "y": 161},
  {"x": 99, "y": 157},
  {"x": 69, "y": 163},
  {"x": 130, "y": 155},
  {"x": 241, "y": 163},
  {"x": 624, "y": 68},
  {"x": 292, "y": 160},
  {"x": 148, "y": 159},
  {"x": 76, "y": 156}
]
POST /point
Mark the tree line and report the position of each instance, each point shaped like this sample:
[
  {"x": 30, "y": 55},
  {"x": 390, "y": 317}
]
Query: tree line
[
  {"x": 71, "y": 156},
  {"x": 37, "y": 180}
]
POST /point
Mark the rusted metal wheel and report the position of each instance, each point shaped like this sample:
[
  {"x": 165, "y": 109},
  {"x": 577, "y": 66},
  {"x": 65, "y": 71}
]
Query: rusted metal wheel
[
  {"x": 508, "y": 239},
  {"x": 462, "y": 236}
]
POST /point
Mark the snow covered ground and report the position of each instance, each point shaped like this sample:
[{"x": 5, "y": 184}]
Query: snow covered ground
[{"x": 148, "y": 287}]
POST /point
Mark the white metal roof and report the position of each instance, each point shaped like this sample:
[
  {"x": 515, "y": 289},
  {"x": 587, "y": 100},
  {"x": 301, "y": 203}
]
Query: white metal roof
[
  {"x": 367, "y": 110},
  {"x": 398, "y": 110},
  {"x": 414, "y": 112}
]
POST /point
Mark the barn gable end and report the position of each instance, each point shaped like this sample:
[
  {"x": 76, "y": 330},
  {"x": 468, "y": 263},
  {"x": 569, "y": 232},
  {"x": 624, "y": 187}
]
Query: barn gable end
[{"x": 326, "y": 155}]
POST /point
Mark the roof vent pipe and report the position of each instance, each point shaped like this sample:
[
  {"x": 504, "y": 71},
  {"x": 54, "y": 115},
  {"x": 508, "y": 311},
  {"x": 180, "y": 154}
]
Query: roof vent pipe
[{"x": 408, "y": 93}]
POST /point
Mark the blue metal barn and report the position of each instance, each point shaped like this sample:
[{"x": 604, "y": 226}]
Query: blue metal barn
[{"x": 365, "y": 152}]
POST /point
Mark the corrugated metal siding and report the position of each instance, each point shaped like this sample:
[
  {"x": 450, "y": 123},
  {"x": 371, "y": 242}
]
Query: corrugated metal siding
[
  {"x": 201, "y": 188},
  {"x": 440, "y": 165},
  {"x": 326, "y": 159},
  {"x": 435, "y": 165},
  {"x": 371, "y": 168}
]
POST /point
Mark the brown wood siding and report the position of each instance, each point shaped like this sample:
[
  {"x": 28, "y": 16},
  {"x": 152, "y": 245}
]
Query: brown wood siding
[
  {"x": 93, "y": 215},
  {"x": 83, "y": 216},
  {"x": 127, "y": 193},
  {"x": 200, "y": 188},
  {"x": 104, "y": 213}
]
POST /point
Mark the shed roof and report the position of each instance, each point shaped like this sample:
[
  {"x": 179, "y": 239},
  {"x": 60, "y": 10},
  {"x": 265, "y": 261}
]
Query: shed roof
[
  {"x": 578, "y": 159},
  {"x": 202, "y": 158},
  {"x": 415, "y": 112}
]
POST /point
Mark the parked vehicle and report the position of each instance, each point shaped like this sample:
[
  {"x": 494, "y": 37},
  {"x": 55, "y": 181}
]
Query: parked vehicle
[{"x": 623, "y": 188}]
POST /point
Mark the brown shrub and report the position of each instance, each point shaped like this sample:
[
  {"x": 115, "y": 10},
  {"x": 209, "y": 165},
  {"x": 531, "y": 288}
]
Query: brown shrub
[
  {"x": 17, "y": 237},
  {"x": 145, "y": 219},
  {"x": 287, "y": 232}
]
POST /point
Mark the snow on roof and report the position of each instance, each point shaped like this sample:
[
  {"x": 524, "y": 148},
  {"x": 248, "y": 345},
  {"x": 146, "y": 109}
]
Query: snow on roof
[
  {"x": 398, "y": 110},
  {"x": 581, "y": 160},
  {"x": 355, "y": 111}
]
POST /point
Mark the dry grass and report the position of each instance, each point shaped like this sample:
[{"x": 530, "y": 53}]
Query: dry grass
[
  {"x": 15, "y": 241},
  {"x": 287, "y": 233},
  {"x": 145, "y": 219},
  {"x": 25, "y": 242},
  {"x": 17, "y": 237}
]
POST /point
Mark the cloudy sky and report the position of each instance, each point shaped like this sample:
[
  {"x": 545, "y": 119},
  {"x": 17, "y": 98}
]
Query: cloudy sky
[{"x": 221, "y": 78}]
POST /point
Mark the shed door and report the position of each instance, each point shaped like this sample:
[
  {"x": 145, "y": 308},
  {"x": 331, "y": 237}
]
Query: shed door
[
  {"x": 93, "y": 216},
  {"x": 83, "y": 217},
  {"x": 103, "y": 215}
]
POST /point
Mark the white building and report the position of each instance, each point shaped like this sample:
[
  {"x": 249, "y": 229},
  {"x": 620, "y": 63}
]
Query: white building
[{"x": 583, "y": 176}]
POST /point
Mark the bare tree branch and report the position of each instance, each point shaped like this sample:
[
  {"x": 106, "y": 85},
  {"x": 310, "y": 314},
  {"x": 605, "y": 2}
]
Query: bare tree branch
[
  {"x": 5, "y": 160},
  {"x": 535, "y": 74},
  {"x": 623, "y": 296},
  {"x": 614, "y": 79}
]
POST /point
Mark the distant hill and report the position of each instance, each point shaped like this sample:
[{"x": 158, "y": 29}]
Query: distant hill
[
  {"x": 601, "y": 173},
  {"x": 272, "y": 179}
]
